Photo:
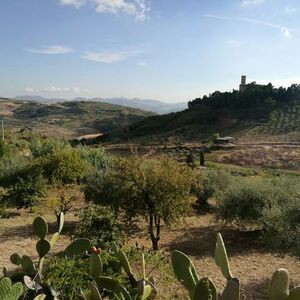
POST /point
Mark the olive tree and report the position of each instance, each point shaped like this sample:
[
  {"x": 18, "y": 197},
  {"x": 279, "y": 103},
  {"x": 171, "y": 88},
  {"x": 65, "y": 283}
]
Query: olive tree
[{"x": 156, "y": 189}]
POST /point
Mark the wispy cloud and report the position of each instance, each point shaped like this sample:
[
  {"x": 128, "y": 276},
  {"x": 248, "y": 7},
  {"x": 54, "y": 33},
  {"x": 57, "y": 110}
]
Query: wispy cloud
[
  {"x": 286, "y": 31},
  {"x": 290, "y": 10},
  {"x": 110, "y": 57},
  {"x": 54, "y": 89},
  {"x": 251, "y": 2},
  {"x": 56, "y": 49},
  {"x": 76, "y": 3},
  {"x": 137, "y": 8}
]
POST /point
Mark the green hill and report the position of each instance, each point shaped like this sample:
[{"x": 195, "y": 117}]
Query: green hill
[
  {"x": 67, "y": 119},
  {"x": 256, "y": 112}
]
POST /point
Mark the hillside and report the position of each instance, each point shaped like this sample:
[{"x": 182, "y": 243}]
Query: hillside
[
  {"x": 258, "y": 113},
  {"x": 67, "y": 119},
  {"x": 156, "y": 106}
]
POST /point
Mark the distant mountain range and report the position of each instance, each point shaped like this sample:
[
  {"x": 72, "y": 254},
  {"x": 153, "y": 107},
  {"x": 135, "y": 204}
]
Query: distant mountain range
[{"x": 144, "y": 104}]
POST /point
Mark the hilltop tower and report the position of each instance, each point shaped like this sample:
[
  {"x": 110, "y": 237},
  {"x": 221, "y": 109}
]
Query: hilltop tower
[{"x": 243, "y": 83}]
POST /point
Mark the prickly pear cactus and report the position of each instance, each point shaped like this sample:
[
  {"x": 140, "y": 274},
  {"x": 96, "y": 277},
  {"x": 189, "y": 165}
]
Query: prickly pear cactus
[
  {"x": 232, "y": 290},
  {"x": 185, "y": 271},
  {"x": 205, "y": 290},
  {"x": 40, "y": 227},
  {"x": 77, "y": 247},
  {"x": 95, "y": 266},
  {"x": 279, "y": 285},
  {"x": 221, "y": 258},
  {"x": 8, "y": 291}
]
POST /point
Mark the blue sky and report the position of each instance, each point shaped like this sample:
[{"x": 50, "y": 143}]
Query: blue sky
[{"x": 160, "y": 49}]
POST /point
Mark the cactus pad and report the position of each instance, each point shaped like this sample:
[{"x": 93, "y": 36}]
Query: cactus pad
[
  {"x": 221, "y": 258},
  {"x": 95, "y": 265},
  {"x": 42, "y": 247},
  {"x": 184, "y": 271},
  {"x": 15, "y": 259},
  {"x": 77, "y": 247},
  {"x": 205, "y": 289},
  {"x": 279, "y": 285},
  {"x": 40, "y": 227},
  {"x": 9, "y": 291}
]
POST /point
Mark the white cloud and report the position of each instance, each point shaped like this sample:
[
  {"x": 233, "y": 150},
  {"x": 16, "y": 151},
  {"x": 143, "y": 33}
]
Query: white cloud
[
  {"x": 110, "y": 57},
  {"x": 54, "y": 89},
  {"x": 56, "y": 49},
  {"x": 251, "y": 2},
  {"x": 137, "y": 8},
  {"x": 286, "y": 31},
  {"x": 290, "y": 10},
  {"x": 76, "y": 3}
]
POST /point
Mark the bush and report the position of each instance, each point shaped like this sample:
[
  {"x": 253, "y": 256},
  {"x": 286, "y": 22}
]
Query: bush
[
  {"x": 64, "y": 166},
  {"x": 99, "y": 225},
  {"x": 68, "y": 277},
  {"x": 209, "y": 183},
  {"x": 42, "y": 147},
  {"x": 244, "y": 201},
  {"x": 26, "y": 192},
  {"x": 96, "y": 157},
  {"x": 11, "y": 168},
  {"x": 282, "y": 221}
]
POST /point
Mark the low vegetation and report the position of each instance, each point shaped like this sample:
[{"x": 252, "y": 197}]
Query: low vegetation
[{"x": 116, "y": 197}]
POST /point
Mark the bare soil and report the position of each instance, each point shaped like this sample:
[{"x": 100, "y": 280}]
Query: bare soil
[{"x": 196, "y": 236}]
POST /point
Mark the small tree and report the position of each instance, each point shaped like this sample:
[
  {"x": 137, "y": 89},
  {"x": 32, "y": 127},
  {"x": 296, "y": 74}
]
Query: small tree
[
  {"x": 27, "y": 192},
  {"x": 157, "y": 189},
  {"x": 65, "y": 199},
  {"x": 65, "y": 166}
]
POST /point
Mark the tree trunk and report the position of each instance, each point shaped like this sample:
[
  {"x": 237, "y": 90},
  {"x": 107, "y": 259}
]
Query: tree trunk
[{"x": 154, "y": 225}]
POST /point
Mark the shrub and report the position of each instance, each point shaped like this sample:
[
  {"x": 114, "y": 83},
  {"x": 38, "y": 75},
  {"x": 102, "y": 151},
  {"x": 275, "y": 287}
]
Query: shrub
[
  {"x": 282, "y": 221},
  {"x": 41, "y": 147},
  {"x": 106, "y": 188},
  {"x": 26, "y": 192},
  {"x": 209, "y": 183},
  {"x": 68, "y": 276},
  {"x": 13, "y": 167},
  {"x": 64, "y": 166},
  {"x": 244, "y": 201},
  {"x": 97, "y": 157},
  {"x": 99, "y": 225}
]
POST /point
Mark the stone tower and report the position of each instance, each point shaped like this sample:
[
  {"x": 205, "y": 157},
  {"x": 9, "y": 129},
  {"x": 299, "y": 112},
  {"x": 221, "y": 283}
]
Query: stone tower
[{"x": 243, "y": 83}]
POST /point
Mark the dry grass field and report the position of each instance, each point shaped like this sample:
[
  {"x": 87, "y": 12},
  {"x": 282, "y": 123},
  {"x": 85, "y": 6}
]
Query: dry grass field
[{"x": 196, "y": 236}]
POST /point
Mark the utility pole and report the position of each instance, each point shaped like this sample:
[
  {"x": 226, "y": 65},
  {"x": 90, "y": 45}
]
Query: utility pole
[{"x": 2, "y": 127}]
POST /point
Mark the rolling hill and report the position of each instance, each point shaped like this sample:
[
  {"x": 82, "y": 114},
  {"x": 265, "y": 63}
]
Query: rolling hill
[
  {"x": 261, "y": 112},
  {"x": 67, "y": 119},
  {"x": 156, "y": 106}
]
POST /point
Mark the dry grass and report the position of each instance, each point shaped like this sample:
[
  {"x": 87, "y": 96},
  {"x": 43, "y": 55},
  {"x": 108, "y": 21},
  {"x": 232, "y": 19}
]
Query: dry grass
[{"x": 252, "y": 263}]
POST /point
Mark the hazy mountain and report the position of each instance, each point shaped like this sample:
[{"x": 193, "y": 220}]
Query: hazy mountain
[{"x": 144, "y": 104}]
